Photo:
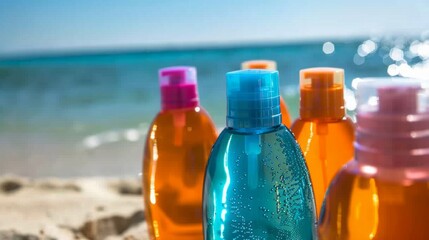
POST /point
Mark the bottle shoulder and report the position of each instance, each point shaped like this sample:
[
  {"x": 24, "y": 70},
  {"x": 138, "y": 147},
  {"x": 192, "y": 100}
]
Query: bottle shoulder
[
  {"x": 258, "y": 131},
  {"x": 186, "y": 124},
  {"x": 345, "y": 126},
  {"x": 191, "y": 116},
  {"x": 389, "y": 174},
  {"x": 278, "y": 138},
  {"x": 196, "y": 111},
  {"x": 344, "y": 121}
]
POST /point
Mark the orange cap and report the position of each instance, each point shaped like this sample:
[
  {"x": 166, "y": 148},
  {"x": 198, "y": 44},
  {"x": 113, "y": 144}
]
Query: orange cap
[
  {"x": 259, "y": 64},
  {"x": 322, "y": 94}
]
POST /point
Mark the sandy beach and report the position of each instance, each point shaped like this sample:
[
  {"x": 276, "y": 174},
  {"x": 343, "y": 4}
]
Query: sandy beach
[{"x": 80, "y": 208}]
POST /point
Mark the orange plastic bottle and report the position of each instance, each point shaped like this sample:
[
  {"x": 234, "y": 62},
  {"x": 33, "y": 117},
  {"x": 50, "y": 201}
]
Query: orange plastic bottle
[
  {"x": 176, "y": 152},
  {"x": 383, "y": 193},
  {"x": 270, "y": 65},
  {"x": 323, "y": 130}
]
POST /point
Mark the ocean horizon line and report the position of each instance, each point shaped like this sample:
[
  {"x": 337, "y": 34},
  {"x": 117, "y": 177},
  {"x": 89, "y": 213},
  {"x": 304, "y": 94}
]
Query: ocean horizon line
[{"x": 94, "y": 52}]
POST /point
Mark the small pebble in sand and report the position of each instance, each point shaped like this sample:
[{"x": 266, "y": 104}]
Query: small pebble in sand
[{"x": 10, "y": 186}]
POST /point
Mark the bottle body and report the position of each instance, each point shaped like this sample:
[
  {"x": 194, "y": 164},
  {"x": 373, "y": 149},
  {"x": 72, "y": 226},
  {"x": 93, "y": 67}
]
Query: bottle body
[
  {"x": 326, "y": 146},
  {"x": 286, "y": 119},
  {"x": 176, "y": 152},
  {"x": 257, "y": 187},
  {"x": 368, "y": 202}
]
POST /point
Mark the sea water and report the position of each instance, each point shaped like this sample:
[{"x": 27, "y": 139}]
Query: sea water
[{"x": 87, "y": 114}]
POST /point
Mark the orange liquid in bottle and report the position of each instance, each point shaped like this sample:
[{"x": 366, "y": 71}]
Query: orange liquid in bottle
[
  {"x": 326, "y": 146},
  {"x": 270, "y": 65},
  {"x": 384, "y": 193},
  {"x": 362, "y": 207},
  {"x": 285, "y": 113},
  {"x": 323, "y": 132},
  {"x": 177, "y": 149}
]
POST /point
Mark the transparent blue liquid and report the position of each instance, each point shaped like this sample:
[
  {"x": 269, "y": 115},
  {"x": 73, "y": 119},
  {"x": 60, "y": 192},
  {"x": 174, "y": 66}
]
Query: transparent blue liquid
[{"x": 257, "y": 186}]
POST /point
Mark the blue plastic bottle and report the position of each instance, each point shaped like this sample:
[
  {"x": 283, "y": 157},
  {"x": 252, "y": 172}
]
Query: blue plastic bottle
[{"x": 257, "y": 185}]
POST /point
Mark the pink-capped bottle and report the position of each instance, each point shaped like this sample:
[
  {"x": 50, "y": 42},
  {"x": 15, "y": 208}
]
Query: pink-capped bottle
[
  {"x": 176, "y": 152},
  {"x": 383, "y": 194}
]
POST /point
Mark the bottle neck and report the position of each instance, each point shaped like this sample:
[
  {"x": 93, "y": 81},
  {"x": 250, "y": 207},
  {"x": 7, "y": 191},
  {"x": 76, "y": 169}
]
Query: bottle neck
[
  {"x": 321, "y": 104},
  {"x": 253, "y": 114},
  {"x": 259, "y": 130},
  {"x": 324, "y": 120},
  {"x": 388, "y": 140},
  {"x": 179, "y": 96},
  {"x": 196, "y": 108}
]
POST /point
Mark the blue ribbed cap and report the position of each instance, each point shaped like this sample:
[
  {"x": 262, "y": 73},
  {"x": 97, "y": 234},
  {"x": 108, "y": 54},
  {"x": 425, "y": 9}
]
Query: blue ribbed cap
[{"x": 253, "y": 99}]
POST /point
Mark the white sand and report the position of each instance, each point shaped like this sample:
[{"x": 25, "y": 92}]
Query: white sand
[{"x": 89, "y": 208}]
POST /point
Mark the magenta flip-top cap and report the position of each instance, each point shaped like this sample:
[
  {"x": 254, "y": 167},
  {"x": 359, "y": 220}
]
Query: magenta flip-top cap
[
  {"x": 178, "y": 87},
  {"x": 392, "y": 123}
]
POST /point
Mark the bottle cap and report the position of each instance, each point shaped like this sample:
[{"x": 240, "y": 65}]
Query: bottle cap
[
  {"x": 259, "y": 64},
  {"x": 322, "y": 94},
  {"x": 178, "y": 87},
  {"x": 392, "y": 122},
  {"x": 253, "y": 99}
]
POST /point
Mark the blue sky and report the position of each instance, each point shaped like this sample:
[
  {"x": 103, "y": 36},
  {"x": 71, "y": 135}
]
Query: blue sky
[{"x": 28, "y": 26}]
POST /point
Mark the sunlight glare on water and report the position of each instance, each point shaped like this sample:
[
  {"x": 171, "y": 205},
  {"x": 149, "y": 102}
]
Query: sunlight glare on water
[{"x": 328, "y": 48}]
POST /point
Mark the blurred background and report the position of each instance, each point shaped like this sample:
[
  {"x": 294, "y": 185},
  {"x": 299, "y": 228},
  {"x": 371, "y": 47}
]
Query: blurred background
[{"x": 78, "y": 79}]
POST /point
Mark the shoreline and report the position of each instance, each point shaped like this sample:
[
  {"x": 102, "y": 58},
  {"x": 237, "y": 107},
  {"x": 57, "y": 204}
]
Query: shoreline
[{"x": 40, "y": 157}]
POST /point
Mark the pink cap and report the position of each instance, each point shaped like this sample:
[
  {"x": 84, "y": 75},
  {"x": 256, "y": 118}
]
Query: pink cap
[
  {"x": 178, "y": 87},
  {"x": 392, "y": 123}
]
